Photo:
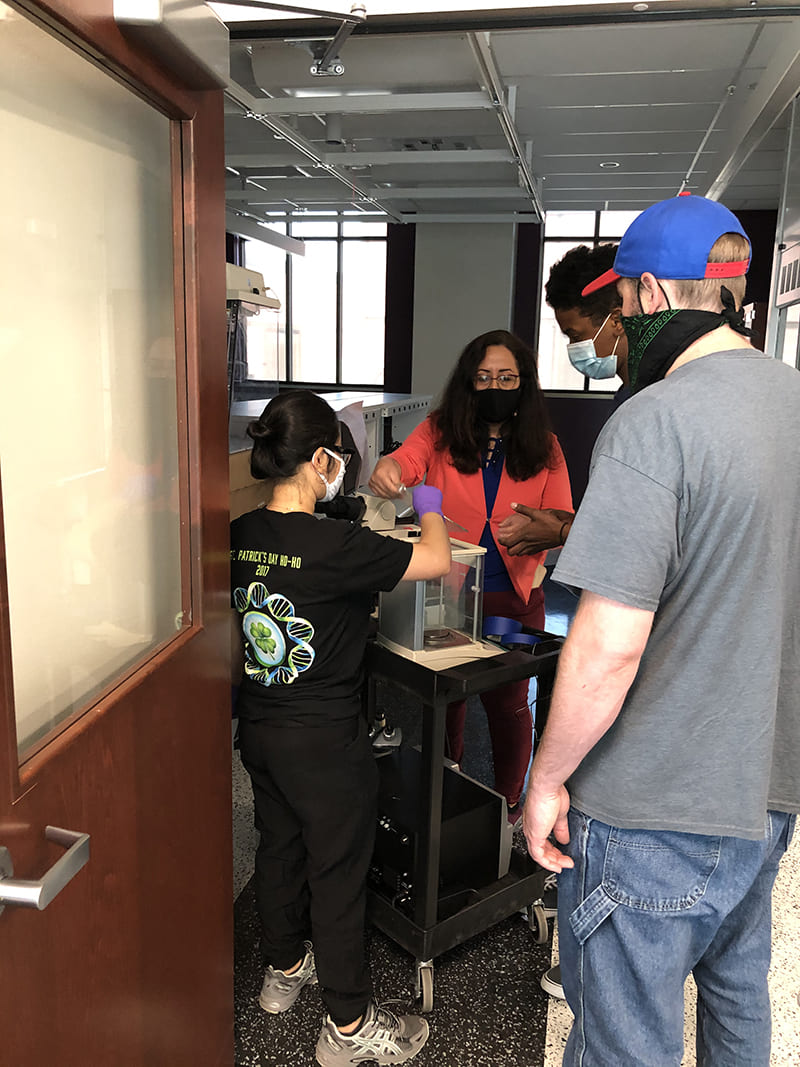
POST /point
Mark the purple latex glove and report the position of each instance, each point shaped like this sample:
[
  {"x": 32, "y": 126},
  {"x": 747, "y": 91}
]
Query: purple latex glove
[{"x": 427, "y": 498}]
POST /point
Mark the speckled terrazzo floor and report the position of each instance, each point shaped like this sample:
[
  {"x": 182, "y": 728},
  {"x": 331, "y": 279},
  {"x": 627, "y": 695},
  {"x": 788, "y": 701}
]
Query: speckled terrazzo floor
[{"x": 488, "y": 1007}]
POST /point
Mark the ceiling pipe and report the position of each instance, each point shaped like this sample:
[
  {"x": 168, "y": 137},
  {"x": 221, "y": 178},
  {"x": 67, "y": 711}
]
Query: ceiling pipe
[
  {"x": 333, "y": 129},
  {"x": 357, "y": 12},
  {"x": 493, "y": 83},
  {"x": 729, "y": 92}
]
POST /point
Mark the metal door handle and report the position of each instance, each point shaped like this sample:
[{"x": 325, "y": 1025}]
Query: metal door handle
[{"x": 38, "y": 894}]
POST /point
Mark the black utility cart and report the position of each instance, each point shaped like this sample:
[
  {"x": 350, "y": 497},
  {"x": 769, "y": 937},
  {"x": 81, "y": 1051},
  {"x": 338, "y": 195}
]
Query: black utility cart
[{"x": 435, "y": 880}]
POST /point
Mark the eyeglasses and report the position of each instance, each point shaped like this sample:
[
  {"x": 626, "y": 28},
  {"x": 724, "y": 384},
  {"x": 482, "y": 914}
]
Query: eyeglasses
[
  {"x": 504, "y": 381},
  {"x": 346, "y": 453}
]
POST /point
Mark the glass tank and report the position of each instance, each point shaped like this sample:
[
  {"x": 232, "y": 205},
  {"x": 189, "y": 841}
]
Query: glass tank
[{"x": 437, "y": 613}]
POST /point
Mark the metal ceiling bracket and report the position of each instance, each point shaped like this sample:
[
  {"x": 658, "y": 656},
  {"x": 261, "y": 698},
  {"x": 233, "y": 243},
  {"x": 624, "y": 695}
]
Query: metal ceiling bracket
[
  {"x": 326, "y": 55},
  {"x": 327, "y": 63}
]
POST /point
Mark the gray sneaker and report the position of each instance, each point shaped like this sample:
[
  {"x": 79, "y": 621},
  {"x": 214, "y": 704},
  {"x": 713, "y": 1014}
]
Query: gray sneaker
[
  {"x": 383, "y": 1038},
  {"x": 280, "y": 990}
]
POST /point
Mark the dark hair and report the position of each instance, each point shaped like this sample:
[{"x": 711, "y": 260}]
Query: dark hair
[
  {"x": 288, "y": 432},
  {"x": 528, "y": 442},
  {"x": 573, "y": 272}
]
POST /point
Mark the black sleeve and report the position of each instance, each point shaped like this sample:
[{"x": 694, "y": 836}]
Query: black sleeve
[{"x": 371, "y": 562}]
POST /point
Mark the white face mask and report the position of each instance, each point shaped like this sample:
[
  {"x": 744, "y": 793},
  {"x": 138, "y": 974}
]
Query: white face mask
[
  {"x": 332, "y": 488},
  {"x": 584, "y": 358}
]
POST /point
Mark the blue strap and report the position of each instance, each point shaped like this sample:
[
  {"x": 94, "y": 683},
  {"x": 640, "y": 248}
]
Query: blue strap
[
  {"x": 521, "y": 639},
  {"x": 498, "y": 626},
  {"x": 594, "y": 910}
]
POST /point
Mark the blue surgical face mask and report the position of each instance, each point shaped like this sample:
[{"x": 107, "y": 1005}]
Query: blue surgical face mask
[{"x": 584, "y": 358}]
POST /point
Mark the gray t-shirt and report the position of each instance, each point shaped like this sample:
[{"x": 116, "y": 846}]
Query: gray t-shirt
[{"x": 693, "y": 511}]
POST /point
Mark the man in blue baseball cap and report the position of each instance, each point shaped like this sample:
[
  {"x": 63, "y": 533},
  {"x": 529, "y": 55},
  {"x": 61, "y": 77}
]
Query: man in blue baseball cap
[{"x": 669, "y": 770}]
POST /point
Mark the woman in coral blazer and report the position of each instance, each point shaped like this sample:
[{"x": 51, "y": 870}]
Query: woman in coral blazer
[{"x": 488, "y": 445}]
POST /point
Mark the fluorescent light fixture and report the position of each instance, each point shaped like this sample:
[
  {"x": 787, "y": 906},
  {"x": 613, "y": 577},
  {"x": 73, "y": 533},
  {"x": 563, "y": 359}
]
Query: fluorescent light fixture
[{"x": 300, "y": 94}]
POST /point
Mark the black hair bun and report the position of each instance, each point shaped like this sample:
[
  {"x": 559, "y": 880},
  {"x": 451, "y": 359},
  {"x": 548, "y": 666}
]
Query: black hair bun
[{"x": 257, "y": 431}]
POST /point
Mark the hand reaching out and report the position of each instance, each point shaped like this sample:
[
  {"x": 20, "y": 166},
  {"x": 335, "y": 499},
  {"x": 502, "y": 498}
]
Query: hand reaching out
[
  {"x": 387, "y": 478},
  {"x": 532, "y": 530}
]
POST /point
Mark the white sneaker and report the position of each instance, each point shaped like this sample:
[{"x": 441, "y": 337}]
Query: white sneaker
[
  {"x": 551, "y": 982},
  {"x": 280, "y": 990},
  {"x": 383, "y": 1038}
]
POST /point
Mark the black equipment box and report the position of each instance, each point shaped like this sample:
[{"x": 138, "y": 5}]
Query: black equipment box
[{"x": 475, "y": 836}]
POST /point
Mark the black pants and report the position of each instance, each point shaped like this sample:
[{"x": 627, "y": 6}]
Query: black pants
[{"x": 315, "y": 791}]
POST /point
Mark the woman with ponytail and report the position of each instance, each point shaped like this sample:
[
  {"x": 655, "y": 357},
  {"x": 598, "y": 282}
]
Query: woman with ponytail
[
  {"x": 302, "y": 591},
  {"x": 488, "y": 447}
]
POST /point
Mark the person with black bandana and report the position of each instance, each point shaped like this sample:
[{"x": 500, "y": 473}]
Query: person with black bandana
[
  {"x": 665, "y": 788},
  {"x": 487, "y": 446}
]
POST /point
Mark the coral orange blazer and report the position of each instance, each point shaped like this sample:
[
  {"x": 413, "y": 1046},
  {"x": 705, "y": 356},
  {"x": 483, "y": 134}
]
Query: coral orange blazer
[{"x": 464, "y": 499}]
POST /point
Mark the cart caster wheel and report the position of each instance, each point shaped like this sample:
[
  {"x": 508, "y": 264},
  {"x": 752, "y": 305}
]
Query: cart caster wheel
[
  {"x": 425, "y": 986},
  {"x": 537, "y": 921}
]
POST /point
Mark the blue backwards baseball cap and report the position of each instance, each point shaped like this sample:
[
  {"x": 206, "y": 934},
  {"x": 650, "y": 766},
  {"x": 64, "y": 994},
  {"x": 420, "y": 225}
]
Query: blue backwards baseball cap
[{"x": 672, "y": 239}]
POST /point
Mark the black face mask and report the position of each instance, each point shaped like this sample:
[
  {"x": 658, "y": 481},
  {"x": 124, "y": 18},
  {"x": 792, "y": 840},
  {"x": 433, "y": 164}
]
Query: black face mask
[
  {"x": 656, "y": 341},
  {"x": 496, "y": 405}
]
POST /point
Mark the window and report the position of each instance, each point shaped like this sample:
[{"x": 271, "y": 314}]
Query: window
[
  {"x": 330, "y": 329},
  {"x": 564, "y": 230},
  {"x": 266, "y": 329},
  {"x": 791, "y": 331},
  {"x": 363, "y": 311},
  {"x": 91, "y": 495},
  {"x": 312, "y": 354}
]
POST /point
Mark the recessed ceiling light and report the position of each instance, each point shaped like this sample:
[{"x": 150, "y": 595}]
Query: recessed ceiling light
[
  {"x": 609, "y": 163},
  {"x": 640, "y": 7}
]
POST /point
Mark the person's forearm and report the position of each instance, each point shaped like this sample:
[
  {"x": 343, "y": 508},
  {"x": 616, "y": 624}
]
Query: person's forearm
[
  {"x": 532, "y": 530},
  {"x": 433, "y": 534},
  {"x": 583, "y": 706},
  {"x": 565, "y": 520},
  {"x": 431, "y": 553}
]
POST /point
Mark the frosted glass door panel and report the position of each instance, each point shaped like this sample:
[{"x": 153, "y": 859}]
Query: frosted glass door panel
[{"x": 88, "y": 405}]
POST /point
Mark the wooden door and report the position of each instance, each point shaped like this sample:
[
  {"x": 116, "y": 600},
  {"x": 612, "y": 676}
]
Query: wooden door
[{"x": 114, "y": 676}]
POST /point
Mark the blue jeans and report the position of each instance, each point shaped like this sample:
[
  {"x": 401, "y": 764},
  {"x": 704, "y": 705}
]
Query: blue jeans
[{"x": 642, "y": 909}]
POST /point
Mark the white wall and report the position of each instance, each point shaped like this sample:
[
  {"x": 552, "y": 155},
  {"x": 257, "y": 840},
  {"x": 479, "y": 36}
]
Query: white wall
[{"x": 463, "y": 287}]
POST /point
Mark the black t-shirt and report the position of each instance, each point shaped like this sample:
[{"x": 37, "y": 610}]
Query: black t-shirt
[{"x": 303, "y": 587}]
